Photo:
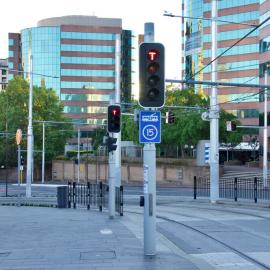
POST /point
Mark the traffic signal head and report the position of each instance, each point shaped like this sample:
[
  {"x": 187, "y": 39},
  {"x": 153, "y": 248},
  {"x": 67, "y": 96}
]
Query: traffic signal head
[
  {"x": 152, "y": 75},
  {"x": 230, "y": 126},
  {"x": 114, "y": 118},
  {"x": 111, "y": 144},
  {"x": 170, "y": 117}
]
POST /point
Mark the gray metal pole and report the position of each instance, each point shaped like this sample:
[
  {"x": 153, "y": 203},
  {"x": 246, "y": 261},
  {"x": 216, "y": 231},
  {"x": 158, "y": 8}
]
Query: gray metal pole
[
  {"x": 111, "y": 183},
  {"x": 78, "y": 157},
  {"x": 149, "y": 161},
  {"x": 265, "y": 134},
  {"x": 117, "y": 152},
  {"x": 214, "y": 115},
  {"x": 149, "y": 151},
  {"x": 111, "y": 176},
  {"x": 30, "y": 134},
  {"x": 43, "y": 153}
]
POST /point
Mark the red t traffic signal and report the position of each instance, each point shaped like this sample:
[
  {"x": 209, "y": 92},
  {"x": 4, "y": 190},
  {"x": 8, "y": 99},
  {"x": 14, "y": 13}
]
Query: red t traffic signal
[{"x": 152, "y": 75}]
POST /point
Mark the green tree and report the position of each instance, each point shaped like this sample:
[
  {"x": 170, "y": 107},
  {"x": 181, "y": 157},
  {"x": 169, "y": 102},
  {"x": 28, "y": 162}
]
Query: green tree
[
  {"x": 188, "y": 127},
  {"x": 97, "y": 137},
  {"x": 14, "y": 115}
]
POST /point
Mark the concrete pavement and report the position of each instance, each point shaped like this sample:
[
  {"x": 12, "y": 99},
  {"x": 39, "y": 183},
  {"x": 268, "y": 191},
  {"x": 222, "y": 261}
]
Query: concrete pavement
[{"x": 51, "y": 238}]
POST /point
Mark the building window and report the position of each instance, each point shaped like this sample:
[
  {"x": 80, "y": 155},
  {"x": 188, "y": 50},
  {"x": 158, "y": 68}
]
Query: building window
[
  {"x": 263, "y": 68},
  {"x": 10, "y": 53},
  {"x": 10, "y": 42},
  {"x": 265, "y": 45},
  {"x": 10, "y": 65}
]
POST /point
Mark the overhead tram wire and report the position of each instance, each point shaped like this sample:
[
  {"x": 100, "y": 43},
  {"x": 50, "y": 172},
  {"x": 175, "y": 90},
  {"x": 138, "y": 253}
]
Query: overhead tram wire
[
  {"x": 233, "y": 68},
  {"x": 207, "y": 19},
  {"x": 237, "y": 42}
]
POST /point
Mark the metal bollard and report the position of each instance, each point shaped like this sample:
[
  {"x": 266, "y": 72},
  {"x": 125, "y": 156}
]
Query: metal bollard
[
  {"x": 69, "y": 194},
  {"x": 88, "y": 195},
  {"x": 100, "y": 196},
  {"x": 235, "y": 189},
  {"x": 255, "y": 189},
  {"x": 74, "y": 195},
  {"x": 195, "y": 188},
  {"x": 121, "y": 200}
]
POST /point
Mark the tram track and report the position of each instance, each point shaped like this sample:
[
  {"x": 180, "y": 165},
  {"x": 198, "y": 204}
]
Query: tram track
[
  {"x": 217, "y": 207},
  {"x": 207, "y": 235}
]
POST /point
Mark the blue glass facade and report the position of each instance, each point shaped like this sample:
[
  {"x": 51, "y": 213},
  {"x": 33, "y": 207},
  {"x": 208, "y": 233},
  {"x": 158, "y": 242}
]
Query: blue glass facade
[
  {"x": 43, "y": 43},
  {"x": 240, "y": 64}
]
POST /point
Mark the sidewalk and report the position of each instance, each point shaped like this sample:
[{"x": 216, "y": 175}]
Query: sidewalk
[{"x": 50, "y": 238}]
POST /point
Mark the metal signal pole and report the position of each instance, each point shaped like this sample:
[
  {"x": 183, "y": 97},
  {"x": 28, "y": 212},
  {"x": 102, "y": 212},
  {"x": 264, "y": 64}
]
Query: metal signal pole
[
  {"x": 149, "y": 162},
  {"x": 117, "y": 101},
  {"x": 214, "y": 115},
  {"x": 265, "y": 135}
]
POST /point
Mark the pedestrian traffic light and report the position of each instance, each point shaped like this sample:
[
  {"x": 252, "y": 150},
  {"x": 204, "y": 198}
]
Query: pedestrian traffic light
[
  {"x": 111, "y": 144},
  {"x": 114, "y": 118},
  {"x": 152, "y": 75},
  {"x": 170, "y": 117}
]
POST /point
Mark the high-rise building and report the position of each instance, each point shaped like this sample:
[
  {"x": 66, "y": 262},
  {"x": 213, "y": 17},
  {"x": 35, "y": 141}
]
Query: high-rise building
[
  {"x": 3, "y": 74},
  {"x": 239, "y": 65},
  {"x": 75, "y": 56}
]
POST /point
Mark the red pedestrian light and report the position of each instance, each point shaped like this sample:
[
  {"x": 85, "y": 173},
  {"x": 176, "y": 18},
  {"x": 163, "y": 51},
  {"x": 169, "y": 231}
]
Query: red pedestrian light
[{"x": 114, "y": 118}]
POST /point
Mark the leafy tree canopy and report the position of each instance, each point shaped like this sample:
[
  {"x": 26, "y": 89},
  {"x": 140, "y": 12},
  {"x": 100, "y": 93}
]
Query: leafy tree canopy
[
  {"x": 14, "y": 115},
  {"x": 188, "y": 127}
]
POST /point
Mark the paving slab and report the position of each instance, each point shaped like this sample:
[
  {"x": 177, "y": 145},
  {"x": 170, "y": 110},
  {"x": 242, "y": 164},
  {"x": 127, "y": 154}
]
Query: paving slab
[{"x": 52, "y": 238}]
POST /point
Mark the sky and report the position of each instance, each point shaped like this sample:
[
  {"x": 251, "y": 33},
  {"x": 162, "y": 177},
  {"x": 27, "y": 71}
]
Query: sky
[{"x": 17, "y": 15}]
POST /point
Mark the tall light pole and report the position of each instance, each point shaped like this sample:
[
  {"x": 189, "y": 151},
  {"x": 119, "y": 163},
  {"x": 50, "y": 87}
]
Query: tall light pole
[
  {"x": 30, "y": 134},
  {"x": 265, "y": 135},
  {"x": 214, "y": 114}
]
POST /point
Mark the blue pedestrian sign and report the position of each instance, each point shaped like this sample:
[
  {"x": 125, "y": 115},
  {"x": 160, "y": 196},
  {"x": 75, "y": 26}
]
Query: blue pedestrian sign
[{"x": 150, "y": 127}]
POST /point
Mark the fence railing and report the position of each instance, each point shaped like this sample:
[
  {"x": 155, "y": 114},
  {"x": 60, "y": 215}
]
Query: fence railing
[
  {"x": 93, "y": 195},
  {"x": 233, "y": 188}
]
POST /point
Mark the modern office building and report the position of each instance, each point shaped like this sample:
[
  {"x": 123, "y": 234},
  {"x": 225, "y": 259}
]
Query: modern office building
[
  {"x": 239, "y": 65},
  {"x": 75, "y": 56},
  {"x": 3, "y": 74}
]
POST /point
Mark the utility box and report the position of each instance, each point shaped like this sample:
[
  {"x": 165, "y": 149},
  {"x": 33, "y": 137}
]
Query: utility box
[{"x": 62, "y": 197}]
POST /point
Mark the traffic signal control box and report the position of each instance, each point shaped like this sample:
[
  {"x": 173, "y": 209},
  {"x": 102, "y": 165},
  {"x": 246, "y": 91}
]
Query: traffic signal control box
[
  {"x": 114, "y": 118},
  {"x": 152, "y": 75}
]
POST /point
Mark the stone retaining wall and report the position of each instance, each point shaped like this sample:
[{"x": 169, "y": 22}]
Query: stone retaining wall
[{"x": 131, "y": 172}]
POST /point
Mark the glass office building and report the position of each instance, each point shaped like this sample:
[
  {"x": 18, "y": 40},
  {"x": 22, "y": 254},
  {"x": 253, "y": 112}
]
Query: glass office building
[
  {"x": 75, "y": 56},
  {"x": 239, "y": 65}
]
